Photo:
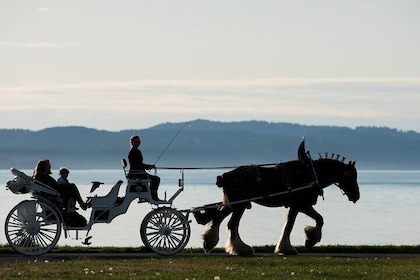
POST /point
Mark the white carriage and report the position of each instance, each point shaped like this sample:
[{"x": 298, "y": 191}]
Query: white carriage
[{"x": 34, "y": 226}]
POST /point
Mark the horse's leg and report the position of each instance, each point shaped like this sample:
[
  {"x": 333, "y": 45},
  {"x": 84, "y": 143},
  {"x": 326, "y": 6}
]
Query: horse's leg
[
  {"x": 284, "y": 246},
  {"x": 313, "y": 234},
  {"x": 211, "y": 235},
  {"x": 234, "y": 244}
]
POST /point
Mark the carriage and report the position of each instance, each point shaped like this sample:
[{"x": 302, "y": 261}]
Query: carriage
[{"x": 33, "y": 227}]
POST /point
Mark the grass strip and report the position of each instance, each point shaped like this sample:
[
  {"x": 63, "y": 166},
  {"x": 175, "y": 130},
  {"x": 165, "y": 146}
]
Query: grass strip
[{"x": 215, "y": 268}]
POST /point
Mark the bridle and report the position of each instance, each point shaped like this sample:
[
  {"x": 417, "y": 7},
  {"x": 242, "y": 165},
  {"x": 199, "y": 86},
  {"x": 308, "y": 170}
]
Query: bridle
[{"x": 341, "y": 189}]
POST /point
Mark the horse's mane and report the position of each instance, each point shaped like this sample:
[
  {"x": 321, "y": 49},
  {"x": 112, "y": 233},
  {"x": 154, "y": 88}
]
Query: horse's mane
[{"x": 305, "y": 157}]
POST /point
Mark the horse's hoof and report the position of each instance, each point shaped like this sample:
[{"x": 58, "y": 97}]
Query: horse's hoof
[
  {"x": 248, "y": 251},
  {"x": 313, "y": 236},
  {"x": 208, "y": 245},
  {"x": 310, "y": 243},
  {"x": 290, "y": 252},
  {"x": 210, "y": 239},
  {"x": 235, "y": 246},
  {"x": 206, "y": 248}
]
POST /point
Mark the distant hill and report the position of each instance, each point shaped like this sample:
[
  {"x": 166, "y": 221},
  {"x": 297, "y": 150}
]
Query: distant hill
[{"x": 205, "y": 143}]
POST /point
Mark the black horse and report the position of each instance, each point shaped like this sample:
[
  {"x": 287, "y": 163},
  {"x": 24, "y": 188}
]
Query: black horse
[{"x": 294, "y": 184}]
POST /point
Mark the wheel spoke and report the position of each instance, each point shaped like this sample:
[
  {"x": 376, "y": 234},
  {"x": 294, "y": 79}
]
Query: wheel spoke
[
  {"x": 44, "y": 235},
  {"x": 173, "y": 241},
  {"x": 16, "y": 219},
  {"x": 156, "y": 237}
]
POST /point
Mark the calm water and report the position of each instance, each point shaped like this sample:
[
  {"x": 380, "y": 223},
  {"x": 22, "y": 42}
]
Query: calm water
[{"x": 387, "y": 212}]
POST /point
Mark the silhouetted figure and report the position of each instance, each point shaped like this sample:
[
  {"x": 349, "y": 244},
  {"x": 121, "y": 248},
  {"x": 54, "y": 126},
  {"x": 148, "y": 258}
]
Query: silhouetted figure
[{"x": 138, "y": 168}]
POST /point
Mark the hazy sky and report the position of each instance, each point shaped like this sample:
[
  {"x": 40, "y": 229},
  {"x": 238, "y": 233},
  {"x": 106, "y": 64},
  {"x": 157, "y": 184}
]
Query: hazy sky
[{"x": 132, "y": 64}]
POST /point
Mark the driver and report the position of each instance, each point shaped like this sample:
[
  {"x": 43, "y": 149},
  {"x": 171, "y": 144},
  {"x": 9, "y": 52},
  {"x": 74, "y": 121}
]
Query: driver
[{"x": 138, "y": 168}]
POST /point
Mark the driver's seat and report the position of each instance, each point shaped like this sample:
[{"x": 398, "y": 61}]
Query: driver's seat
[{"x": 134, "y": 174}]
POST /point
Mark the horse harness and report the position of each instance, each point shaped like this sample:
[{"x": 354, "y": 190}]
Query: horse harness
[
  {"x": 285, "y": 181},
  {"x": 285, "y": 178}
]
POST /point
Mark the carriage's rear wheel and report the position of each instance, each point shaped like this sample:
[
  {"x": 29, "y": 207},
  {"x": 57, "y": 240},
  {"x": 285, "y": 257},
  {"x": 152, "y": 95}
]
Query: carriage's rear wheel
[
  {"x": 33, "y": 227},
  {"x": 165, "y": 231}
]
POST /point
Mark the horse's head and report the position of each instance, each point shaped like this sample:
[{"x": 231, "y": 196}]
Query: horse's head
[
  {"x": 347, "y": 182},
  {"x": 344, "y": 175},
  {"x": 334, "y": 171}
]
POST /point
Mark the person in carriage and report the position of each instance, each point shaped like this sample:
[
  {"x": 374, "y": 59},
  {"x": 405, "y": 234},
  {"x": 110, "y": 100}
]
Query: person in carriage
[
  {"x": 64, "y": 180},
  {"x": 138, "y": 167},
  {"x": 68, "y": 192},
  {"x": 64, "y": 176}
]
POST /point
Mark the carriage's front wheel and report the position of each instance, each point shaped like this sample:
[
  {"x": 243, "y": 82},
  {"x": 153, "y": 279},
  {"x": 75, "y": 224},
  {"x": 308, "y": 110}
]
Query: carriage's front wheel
[
  {"x": 32, "y": 227},
  {"x": 165, "y": 231}
]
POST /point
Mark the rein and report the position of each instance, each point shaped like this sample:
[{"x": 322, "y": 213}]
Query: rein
[
  {"x": 219, "y": 204},
  {"x": 338, "y": 185},
  {"x": 216, "y": 167}
]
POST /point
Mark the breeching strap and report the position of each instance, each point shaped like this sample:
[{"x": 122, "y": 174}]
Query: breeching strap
[{"x": 217, "y": 205}]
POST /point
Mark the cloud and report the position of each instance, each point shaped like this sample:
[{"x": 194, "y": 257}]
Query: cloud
[
  {"x": 112, "y": 105},
  {"x": 350, "y": 83},
  {"x": 39, "y": 45},
  {"x": 43, "y": 9}
]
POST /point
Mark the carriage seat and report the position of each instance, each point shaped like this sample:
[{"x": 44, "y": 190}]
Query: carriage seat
[
  {"x": 39, "y": 187},
  {"x": 108, "y": 200},
  {"x": 138, "y": 177},
  {"x": 133, "y": 174}
]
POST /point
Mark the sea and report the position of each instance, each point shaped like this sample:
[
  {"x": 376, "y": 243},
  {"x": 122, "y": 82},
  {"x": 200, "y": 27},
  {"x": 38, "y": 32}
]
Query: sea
[{"x": 388, "y": 212}]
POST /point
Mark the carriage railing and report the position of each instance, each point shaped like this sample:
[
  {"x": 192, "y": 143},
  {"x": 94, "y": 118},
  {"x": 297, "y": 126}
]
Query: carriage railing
[{"x": 180, "y": 187}]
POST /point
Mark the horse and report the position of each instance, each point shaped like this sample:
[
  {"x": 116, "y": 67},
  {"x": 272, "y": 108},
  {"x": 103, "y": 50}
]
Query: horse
[{"x": 294, "y": 184}]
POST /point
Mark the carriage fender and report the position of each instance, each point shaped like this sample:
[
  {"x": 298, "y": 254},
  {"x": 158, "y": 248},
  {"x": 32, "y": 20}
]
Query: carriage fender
[
  {"x": 16, "y": 187},
  {"x": 19, "y": 184}
]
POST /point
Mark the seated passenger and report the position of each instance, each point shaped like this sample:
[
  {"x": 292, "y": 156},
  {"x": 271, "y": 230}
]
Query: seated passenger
[
  {"x": 67, "y": 191},
  {"x": 63, "y": 180},
  {"x": 138, "y": 168},
  {"x": 64, "y": 174}
]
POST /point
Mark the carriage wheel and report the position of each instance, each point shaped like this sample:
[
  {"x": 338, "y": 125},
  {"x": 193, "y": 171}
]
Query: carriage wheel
[
  {"x": 33, "y": 227},
  {"x": 165, "y": 231}
]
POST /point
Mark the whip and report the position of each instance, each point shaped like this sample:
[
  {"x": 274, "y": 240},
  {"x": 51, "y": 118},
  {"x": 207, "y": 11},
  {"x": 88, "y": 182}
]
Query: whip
[{"x": 170, "y": 142}]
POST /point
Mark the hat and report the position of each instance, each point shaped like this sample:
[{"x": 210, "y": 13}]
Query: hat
[{"x": 64, "y": 170}]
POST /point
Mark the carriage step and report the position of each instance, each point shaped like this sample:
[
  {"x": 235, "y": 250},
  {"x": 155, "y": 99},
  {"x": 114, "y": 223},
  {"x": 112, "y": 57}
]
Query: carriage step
[{"x": 86, "y": 241}]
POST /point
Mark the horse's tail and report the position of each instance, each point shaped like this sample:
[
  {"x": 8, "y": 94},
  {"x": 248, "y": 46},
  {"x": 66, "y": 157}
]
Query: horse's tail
[
  {"x": 225, "y": 199},
  {"x": 219, "y": 183}
]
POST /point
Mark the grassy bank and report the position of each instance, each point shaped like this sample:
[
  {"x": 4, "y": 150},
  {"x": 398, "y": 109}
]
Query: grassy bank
[{"x": 214, "y": 267}]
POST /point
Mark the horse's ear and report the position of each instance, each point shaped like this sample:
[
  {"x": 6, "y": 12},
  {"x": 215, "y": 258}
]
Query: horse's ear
[{"x": 302, "y": 155}]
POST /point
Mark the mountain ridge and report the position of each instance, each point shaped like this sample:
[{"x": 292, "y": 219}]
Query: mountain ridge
[{"x": 209, "y": 143}]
